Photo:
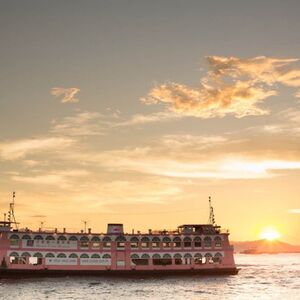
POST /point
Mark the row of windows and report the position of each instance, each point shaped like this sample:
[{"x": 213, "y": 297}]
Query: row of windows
[
  {"x": 60, "y": 255},
  {"x": 177, "y": 239},
  {"x": 185, "y": 244},
  {"x": 106, "y": 255}
]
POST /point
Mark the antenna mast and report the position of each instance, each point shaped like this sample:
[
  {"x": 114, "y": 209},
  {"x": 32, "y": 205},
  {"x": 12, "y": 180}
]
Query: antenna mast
[
  {"x": 11, "y": 214},
  {"x": 85, "y": 222},
  {"x": 211, "y": 213}
]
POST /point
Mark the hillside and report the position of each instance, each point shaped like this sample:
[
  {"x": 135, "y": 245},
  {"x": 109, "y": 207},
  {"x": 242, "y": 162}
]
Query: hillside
[{"x": 264, "y": 246}]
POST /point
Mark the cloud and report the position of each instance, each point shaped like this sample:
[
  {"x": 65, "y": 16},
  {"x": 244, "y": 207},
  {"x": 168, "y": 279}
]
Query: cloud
[
  {"x": 138, "y": 119},
  {"x": 13, "y": 150},
  {"x": 297, "y": 94},
  {"x": 226, "y": 168},
  {"x": 38, "y": 216},
  {"x": 294, "y": 211},
  {"x": 267, "y": 70},
  {"x": 82, "y": 124},
  {"x": 231, "y": 86},
  {"x": 292, "y": 115},
  {"x": 240, "y": 99},
  {"x": 68, "y": 95},
  {"x": 188, "y": 158},
  {"x": 57, "y": 178}
]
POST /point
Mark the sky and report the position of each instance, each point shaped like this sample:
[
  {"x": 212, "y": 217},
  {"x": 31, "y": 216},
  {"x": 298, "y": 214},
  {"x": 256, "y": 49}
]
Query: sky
[{"x": 137, "y": 111}]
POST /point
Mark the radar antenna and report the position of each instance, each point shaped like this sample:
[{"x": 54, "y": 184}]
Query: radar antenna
[{"x": 211, "y": 213}]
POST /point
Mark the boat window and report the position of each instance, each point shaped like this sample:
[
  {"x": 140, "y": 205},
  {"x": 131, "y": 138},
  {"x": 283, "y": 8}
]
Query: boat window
[
  {"x": 207, "y": 241},
  {"x": 49, "y": 255},
  {"x": 49, "y": 238},
  {"x": 106, "y": 245},
  {"x": 218, "y": 241},
  {"x": 14, "y": 237},
  {"x": 84, "y": 242},
  {"x": 198, "y": 258},
  {"x": 134, "y": 244},
  {"x": 121, "y": 238},
  {"x": 38, "y": 254},
  {"x": 73, "y": 255},
  {"x": 95, "y": 239},
  {"x": 187, "y": 242},
  {"x": 14, "y": 242},
  {"x": 84, "y": 255},
  {"x": 38, "y": 237},
  {"x": 37, "y": 259},
  {"x": 208, "y": 258},
  {"x": 187, "y": 258},
  {"x": 84, "y": 245},
  {"x": 155, "y": 245},
  {"x": 140, "y": 262},
  {"x": 165, "y": 260},
  {"x": 178, "y": 259},
  {"x": 26, "y": 237},
  {"x": 197, "y": 242},
  {"x": 145, "y": 242},
  {"x": 61, "y": 238},
  {"x": 177, "y": 242},
  {"x": 166, "y": 242},
  {"x": 95, "y": 256},
  {"x": 61, "y": 255},
  {"x": 155, "y": 242},
  {"x": 73, "y": 238},
  {"x": 120, "y": 245},
  {"x": 106, "y": 256},
  {"x": 95, "y": 245},
  {"x": 217, "y": 259},
  {"x": 134, "y": 239},
  {"x": 14, "y": 258},
  {"x": 84, "y": 239},
  {"x": 106, "y": 242},
  {"x": 25, "y": 254}
]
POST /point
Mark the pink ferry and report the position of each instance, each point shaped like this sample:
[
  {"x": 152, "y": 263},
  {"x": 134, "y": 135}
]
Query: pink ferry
[{"x": 190, "y": 249}]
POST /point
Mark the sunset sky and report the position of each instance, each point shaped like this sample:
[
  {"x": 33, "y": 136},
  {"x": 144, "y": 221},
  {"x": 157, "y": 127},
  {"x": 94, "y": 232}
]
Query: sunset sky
[{"x": 137, "y": 111}]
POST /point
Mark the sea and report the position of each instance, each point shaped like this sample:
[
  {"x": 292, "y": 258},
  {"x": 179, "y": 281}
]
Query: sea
[{"x": 264, "y": 276}]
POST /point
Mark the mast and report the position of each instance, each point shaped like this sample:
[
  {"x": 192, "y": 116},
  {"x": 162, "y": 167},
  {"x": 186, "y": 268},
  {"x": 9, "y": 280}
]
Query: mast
[
  {"x": 211, "y": 213},
  {"x": 84, "y": 222},
  {"x": 11, "y": 214}
]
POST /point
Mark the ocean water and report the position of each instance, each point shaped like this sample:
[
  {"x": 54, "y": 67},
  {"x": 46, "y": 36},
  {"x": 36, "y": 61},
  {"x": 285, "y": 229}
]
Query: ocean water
[{"x": 261, "y": 277}]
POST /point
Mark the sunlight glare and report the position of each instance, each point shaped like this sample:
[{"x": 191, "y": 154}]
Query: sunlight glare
[{"x": 269, "y": 234}]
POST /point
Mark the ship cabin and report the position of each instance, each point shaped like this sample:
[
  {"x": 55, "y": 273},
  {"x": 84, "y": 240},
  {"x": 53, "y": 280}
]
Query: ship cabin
[
  {"x": 5, "y": 226},
  {"x": 189, "y": 245},
  {"x": 199, "y": 229}
]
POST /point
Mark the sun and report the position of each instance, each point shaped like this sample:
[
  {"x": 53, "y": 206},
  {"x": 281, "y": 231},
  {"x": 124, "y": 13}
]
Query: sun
[{"x": 269, "y": 234}]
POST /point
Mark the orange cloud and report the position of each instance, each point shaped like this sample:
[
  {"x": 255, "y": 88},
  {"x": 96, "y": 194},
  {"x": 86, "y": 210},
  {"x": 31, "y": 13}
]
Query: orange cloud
[
  {"x": 240, "y": 99},
  {"x": 262, "y": 69},
  {"x": 231, "y": 86},
  {"x": 68, "y": 94}
]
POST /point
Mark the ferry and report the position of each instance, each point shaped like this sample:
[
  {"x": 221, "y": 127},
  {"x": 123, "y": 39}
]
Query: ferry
[{"x": 202, "y": 249}]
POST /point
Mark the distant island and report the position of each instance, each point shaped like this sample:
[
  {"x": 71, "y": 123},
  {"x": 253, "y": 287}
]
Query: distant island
[{"x": 265, "y": 247}]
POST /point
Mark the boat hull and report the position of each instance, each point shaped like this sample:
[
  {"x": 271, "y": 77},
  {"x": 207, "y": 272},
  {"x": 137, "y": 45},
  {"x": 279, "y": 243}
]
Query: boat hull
[{"x": 19, "y": 273}]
